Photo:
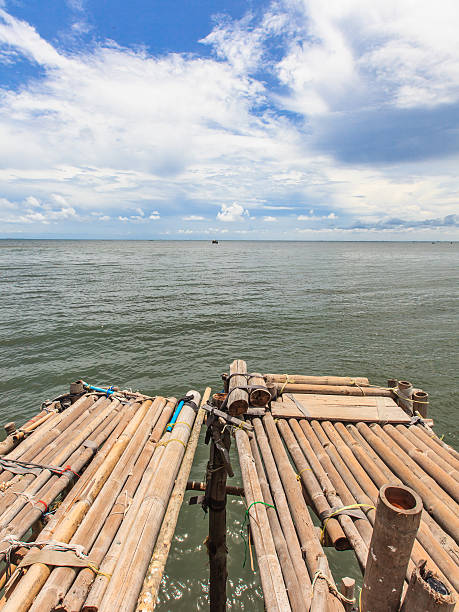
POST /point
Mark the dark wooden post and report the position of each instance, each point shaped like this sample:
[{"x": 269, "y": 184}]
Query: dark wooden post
[
  {"x": 398, "y": 515},
  {"x": 216, "y": 503},
  {"x": 427, "y": 592}
]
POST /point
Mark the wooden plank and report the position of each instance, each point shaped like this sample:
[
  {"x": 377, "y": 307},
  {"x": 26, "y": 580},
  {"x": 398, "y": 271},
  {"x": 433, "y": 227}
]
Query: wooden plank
[{"x": 340, "y": 408}]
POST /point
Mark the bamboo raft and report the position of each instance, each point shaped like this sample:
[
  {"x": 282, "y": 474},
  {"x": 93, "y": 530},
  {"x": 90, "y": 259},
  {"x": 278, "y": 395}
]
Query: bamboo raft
[{"x": 91, "y": 488}]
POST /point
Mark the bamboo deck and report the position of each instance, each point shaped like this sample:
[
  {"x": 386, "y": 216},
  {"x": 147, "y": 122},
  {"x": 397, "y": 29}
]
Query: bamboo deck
[
  {"x": 314, "y": 454},
  {"x": 90, "y": 493},
  {"x": 91, "y": 488}
]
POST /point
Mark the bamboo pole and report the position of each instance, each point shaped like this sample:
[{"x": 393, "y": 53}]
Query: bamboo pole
[
  {"x": 127, "y": 579},
  {"x": 317, "y": 380},
  {"x": 297, "y": 602},
  {"x": 347, "y": 588},
  {"x": 37, "y": 574},
  {"x": 274, "y": 593},
  {"x": 283, "y": 511},
  {"x": 196, "y": 485},
  {"x": 448, "y": 453},
  {"x": 150, "y": 588},
  {"x": 447, "y": 483},
  {"x": 404, "y": 393},
  {"x": 398, "y": 514},
  {"x": 426, "y": 592},
  {"x": 320, "y": 504},
  {"x": 258, "y": 397},
  {"x": 238, "y": 399},
  {"x": 320, "y": 588},
  {"x": 420, "y": 403},
  {"x": 333, "y": 390}
]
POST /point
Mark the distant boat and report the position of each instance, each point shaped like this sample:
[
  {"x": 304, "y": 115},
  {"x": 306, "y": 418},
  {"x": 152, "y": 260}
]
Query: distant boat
[{"x": 214, "y": 241}]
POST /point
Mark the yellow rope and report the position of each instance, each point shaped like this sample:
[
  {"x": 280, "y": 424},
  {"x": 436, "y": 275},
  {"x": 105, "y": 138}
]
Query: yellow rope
[
  {"x": 350, "y": 507},
  {"x": 285, "y": 383},
  {"x": 5, "y": 485},
  {"x": 183, "y": 423},
  {"x": 298, "y": 476},
  {"x": 407, "y": 399},
  {"x": 98, "y": 572}
]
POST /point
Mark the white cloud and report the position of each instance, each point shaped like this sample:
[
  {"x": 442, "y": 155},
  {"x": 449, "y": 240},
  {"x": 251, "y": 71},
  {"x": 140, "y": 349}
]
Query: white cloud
[
  {"x": 193, "y": 218},
  {"x": 230, "y": 213},
  {"x": 269, "y": 219}
]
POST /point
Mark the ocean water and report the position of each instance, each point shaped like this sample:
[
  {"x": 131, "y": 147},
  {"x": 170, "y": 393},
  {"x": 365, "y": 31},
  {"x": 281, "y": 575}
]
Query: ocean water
[{"x": 165, "y": 317}]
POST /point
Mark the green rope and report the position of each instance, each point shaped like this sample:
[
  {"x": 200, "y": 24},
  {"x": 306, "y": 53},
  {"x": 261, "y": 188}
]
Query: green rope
[{"x": 246, "y": 545}]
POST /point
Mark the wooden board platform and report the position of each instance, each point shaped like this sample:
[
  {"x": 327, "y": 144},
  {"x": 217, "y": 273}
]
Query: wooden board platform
[{"x": 339, "y": 408}]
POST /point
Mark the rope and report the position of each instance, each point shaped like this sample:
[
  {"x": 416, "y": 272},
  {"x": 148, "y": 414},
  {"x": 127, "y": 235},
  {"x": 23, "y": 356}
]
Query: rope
[
  {"x": 331, "y": 587},
  {"x": 181, "y": 423},
  {"x": 350, "y": 507},
  {"x": 165, "y": 443},
  {"x": 285, "y": 383},
  {"x": 298, "y": 476},
  {"x": 407, "y": 399},
  {"x": 245, "y": 522},
  {"x": 353, "y": 382},
  {"x": 5, "y": 485}
]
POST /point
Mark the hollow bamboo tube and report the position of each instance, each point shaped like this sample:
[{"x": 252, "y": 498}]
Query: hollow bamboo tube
[
  {"x": 432, "y": 504},
  {"x": 196, "y": 485},
  {"x": 431, "y": 468},
  {"x": 420, "y": 403},
  {"x": 288, "y": 571},
  {"x": 320, "y": 588},
  {"x": 428, "y": 452},
  {"x": 349, "y": 528},
  {"x": 404, "y": 393},
  {"x": 275, "y": 596},
  {"x": 238, "y": 399},
  {"x": 283, "y": 511},
  {"x": 126, "y": 581},
  {"x": 37, "y": 574},
  {"x": 333, "y": 390},
  {"x": 303, "y": 523},
  {"x": 317, "y": 380},
  {"x": 316, "y": 495},
  {"x": 431, "y": 439},
  {"x": 346, "y": 496},
  {"x": 150, "y": 588},
  {"x": 63, "y": 453},
  {"x": 398, "y": 514},
  {"x": 108, "y": 564},
  {"x": 61, "y": 578},
  {"x": 258, "y": 397},
  {"x": 421, "y": 596},
  {"x": 438, "y": 556}
]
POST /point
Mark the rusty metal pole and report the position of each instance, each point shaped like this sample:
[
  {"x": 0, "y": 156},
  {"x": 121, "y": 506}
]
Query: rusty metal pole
[{"x": 398, "y": 515}]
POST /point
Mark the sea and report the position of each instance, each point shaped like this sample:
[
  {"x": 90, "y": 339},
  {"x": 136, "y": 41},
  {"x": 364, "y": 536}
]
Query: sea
[{"x": 164, "y": 317}]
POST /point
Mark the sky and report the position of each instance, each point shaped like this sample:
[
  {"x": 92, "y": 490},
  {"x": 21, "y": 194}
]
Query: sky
[{"x": 242, "y": 119}]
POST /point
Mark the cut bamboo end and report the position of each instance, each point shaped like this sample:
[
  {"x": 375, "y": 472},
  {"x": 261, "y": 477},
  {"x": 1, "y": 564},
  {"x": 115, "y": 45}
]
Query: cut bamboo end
[
  {"x": 427, "y": 592},
  {"x": 420, "y": 402}
]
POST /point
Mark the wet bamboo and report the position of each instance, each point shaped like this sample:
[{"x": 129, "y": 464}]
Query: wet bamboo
[
  {"x": 438, "y": 557},
  {"x": 333, "y": 390},
  {"x": 297, "y": 602},
  {"x": 404, "y": 393},
  {"x": 258, "y": 397},
  {"x": 398, "y": 515},
  {"x": 448, "y": 484},
  {"x": 316, "y": 495},
  {"x": 421, "y": 596},
  {"x": 428, "y": 452},
  {"x": 349, "y": 528},
  {"x": 112, "y": 556},
  {"x": 150, "y": 588},
  {"x": 127, "y": 579},
  {"x": 317, "y": 380},
  {"x": 238, "y": 399},
  {"x": 61, "y": 578},
  {"x": 275, "y": 596},
  {"x": 37, "y": 574},
  {"x": 30, "y": 484},
  {"x": 345, "y": 495},
  {"x": 432, "y": 504},
  {"x": 283, "y": 512},
  {"x": 309, "y": 541},
  {"x": 433, "y": 441},
  {"x": 420, "y": 403}
]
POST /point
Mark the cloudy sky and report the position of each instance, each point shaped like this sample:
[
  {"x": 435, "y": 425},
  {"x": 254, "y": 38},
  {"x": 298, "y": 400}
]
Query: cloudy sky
[{"x": 241, "y": 119}]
